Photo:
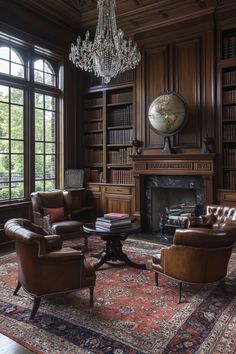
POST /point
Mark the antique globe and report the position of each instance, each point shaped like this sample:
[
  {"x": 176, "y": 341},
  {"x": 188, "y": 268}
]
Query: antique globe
[{"x": 167, "y": 115}]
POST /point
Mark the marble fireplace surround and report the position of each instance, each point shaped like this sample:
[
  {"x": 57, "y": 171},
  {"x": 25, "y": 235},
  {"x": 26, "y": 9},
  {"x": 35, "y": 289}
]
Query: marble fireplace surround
[{"x": 194, "y": 171}]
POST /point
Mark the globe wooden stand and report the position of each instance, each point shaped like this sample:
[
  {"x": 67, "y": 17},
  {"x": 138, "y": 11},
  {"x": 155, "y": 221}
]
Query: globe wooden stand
[{"x": 167, "y": 149}]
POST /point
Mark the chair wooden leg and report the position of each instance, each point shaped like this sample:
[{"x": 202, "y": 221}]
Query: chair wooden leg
[
  {"x": 18, "y": 286},
  {"x": 180, "y": 292},
  {"x": 36, "y": 304},
  {"x": 156, "y": 278},
  {"x": 91, "y": 289}
]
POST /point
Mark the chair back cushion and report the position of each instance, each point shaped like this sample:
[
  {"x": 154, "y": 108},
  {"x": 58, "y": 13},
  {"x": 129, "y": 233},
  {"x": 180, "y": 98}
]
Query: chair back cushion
[
  {"x": 41, "y": 200},
  {"x": 56, "y": 214}
]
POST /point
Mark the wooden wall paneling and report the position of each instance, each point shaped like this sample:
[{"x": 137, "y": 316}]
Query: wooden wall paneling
[
  {"x": 187, "y": 82},
  {"x": 156, "y": 82}
]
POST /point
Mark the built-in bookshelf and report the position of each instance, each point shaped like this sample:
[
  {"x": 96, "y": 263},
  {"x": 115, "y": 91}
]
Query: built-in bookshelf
[
  {"x": 108, "y": 118},
  {"x": 93, "y": 136},
  {"x": 227, "y": 71}
]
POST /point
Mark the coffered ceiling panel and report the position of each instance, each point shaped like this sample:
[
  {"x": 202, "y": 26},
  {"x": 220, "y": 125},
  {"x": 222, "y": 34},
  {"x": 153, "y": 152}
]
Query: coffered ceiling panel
[{"x": 133, "y": 16}]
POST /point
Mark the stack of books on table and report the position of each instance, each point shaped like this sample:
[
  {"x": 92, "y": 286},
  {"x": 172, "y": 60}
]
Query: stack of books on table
[{"x": 113, "y": 221}]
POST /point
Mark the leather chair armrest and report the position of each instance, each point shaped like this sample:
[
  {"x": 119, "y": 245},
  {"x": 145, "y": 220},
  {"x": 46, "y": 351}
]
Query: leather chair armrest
[
  {"x": 54, "y": 242},
  {"x": 64, "y": 254}
]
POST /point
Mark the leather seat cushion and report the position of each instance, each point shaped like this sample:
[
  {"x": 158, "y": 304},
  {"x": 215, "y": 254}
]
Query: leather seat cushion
[{"x": 67, "y": 226}]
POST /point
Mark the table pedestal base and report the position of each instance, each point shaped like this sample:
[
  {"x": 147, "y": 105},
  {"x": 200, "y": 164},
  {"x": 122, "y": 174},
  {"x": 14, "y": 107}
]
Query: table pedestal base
[{"x": 114, "y": 252}]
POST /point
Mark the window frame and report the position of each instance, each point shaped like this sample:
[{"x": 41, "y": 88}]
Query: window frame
[{"x": 29, "y": 54}]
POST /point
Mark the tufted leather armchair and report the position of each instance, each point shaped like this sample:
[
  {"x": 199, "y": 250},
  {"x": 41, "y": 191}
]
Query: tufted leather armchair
[
  {"x": 44, "y": 268},
  {"x": 66, "y": 228},
  {"x": 197, "y": 255}
]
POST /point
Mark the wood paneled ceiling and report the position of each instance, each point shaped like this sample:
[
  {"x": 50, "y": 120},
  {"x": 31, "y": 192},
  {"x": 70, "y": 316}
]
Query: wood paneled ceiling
[{"x": 133, "y": 16}]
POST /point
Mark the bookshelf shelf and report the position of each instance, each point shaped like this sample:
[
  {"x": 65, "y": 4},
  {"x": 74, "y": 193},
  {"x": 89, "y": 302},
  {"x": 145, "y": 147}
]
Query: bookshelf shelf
[
  {"x": 119, "y": 104},
  {"x": 120, "y": 127}
]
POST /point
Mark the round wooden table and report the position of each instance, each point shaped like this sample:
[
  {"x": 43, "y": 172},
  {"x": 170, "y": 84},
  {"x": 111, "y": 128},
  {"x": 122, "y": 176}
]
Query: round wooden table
[{"x": 113, "y": 251}]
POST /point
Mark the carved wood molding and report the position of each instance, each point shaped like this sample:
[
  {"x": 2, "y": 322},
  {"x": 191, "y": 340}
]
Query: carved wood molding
[{"x": 202, "y": 164}]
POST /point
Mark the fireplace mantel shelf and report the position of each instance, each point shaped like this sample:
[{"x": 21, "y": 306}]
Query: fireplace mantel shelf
[{"x": 175, "y": 164}]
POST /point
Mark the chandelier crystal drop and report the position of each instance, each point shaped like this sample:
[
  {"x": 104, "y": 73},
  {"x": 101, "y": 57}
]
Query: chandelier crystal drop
[{"x": 109, "y": 54}]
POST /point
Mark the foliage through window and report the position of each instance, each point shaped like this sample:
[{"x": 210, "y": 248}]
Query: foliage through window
[{"x": 28, "y": 123}]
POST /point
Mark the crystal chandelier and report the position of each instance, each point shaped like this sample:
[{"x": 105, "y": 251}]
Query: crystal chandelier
[{"x": 109, "y": 54}]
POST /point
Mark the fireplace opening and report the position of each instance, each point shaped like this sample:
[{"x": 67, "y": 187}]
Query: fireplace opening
[
  {"x": 171, "y": 205},
  {"x": 170, "y": 197}
]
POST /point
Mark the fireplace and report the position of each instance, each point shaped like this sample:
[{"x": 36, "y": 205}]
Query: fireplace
[
  {"x": 165, "y": 181},
  {"x": 177, "y": 195}
]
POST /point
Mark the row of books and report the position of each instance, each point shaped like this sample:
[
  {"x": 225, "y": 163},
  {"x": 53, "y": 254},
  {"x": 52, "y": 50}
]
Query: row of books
[
  {"x": 93, "y": 101},
  {"x": 230, "y": 157},
  {"x": 93, "y": 114},
  {"x": 229, "y": 77},
  {"x": 93, "y": 139},
  {"x": 229, "y": 96},
  {"x": 93, "y": 126},
  {"x": 229, "y": 47},
  {"x": 121, "y": 176},
  {"x": 229, "y": 113},
  {"x": 93, "y": 175},
  {"x": 230, "y": 180},
  {"x": 113, "y": 222},
  {"x": 121, "y": 156},
  {"x": 120, "y": 136},
  {"x": 121, "y": 97},
  {"x": 93, "y": 156},
  {"x": 121, "y": 116},
  {"x": 229, "y": 132},
  {"x": 123, "y": 77}
]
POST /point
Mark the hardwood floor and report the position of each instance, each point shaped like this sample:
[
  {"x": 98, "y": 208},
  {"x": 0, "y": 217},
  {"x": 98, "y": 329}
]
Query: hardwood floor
[{"x": 9, "y": 346}]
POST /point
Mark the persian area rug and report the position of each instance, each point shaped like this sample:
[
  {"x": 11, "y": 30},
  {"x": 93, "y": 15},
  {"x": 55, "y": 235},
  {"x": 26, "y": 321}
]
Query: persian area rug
[{"x": 130, "y": 314}]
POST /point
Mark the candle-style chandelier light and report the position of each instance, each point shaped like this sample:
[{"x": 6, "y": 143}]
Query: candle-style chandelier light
[{"x": 109, "y": 54}]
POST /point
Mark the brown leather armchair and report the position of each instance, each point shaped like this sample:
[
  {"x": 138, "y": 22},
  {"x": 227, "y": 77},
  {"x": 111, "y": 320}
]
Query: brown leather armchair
[
  {"x": 44, "y": 268},
  {"x": 197, "y": 255},
  {"x": 45, "y": 202}
]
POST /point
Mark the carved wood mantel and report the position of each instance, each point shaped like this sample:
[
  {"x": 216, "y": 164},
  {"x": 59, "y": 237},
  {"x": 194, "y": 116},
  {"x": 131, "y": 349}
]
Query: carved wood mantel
[{"x": 174, "y": 164}]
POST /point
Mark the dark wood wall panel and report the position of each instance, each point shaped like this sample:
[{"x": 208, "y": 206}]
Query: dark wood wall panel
[
  {"x": 157, "y": 78},
  {"x": 187, "y": 82}
]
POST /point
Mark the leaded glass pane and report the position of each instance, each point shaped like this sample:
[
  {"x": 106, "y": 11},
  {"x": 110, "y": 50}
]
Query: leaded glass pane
[
  {"x": 39, "y": 125},
  {"x": 17, "y": 96},
  {"x": 17, "y": 146},
  {"x": 38, "y": 100},
  {"x": 50, "y": 148},
  {"x": 17, "y": 70},
  {"x": 15, "y": 57},
  {"x": 39, "y": 148},
  {"x": 4, "y": 120},
  {"x": 4, "y": 67},
  {"x": 38, "y": 76},
  {"x": 50, "y": 103},
  {"x": 17, "y": 167},
  {"x": 50, "y": 185},
  {"x": 50, "y": 166},
  {"x": 4, "y": 191},
  {"x": 17, "y": 122},
  {"x": 39, "y": 166},
  {"x": 5, "y": 53},
  {"x": 4, "y": 93},
  {"x": 17, "y": 189},
  {"x": 39, "y": 186},
  {"x": 4, "y": 146},
  {"x": 50, "y": 131}
]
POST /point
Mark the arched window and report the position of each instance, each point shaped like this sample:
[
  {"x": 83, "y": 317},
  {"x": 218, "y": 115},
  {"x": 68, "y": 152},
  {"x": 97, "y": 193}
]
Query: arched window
[
  {"x": 11, "y": 62},
  {"x": 44, "y": 73},
  {"x": 29, "y": 122}
]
